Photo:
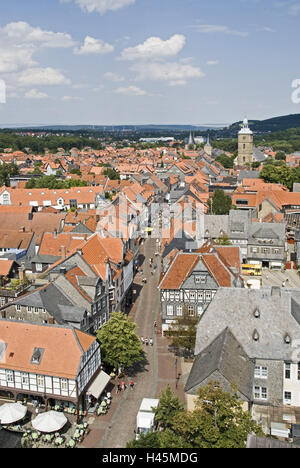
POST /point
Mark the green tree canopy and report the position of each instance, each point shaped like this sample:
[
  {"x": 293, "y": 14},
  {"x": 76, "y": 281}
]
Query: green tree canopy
[
  {"x": 7, "y": 171},
  {"x": 220, "y": 203},
  {"x": 183, "y": 332},
  {"x": 278, "y": 173},
  {"x": 218, "y": 421},
  {"x": 120, "y": 344},
  {"x": 169, "y": 406},
  {"x": 52, "y": 182},
  {"x": 111, "y": 174},
  {"x": 226, "y": 161},
  {"x": 223, "y": 240}
]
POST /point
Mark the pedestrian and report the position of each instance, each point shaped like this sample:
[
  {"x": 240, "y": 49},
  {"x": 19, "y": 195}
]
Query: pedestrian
[
  {"x": 146, "y": 341},
  {"x": 123, "y": 385},
  {"x": 131, "y": 384},
  {"x": 36, "y": 411},
  {"x": 151, "y": 342},
  {"x": 119, "y": 388},
  {"x": 142, "y": 340},
  {"x": 155, "y": 324}
]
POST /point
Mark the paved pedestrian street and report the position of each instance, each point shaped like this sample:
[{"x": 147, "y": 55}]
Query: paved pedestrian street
[{"x": 116, "y": 428}]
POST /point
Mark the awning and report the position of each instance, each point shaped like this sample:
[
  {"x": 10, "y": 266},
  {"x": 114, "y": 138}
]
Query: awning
[{"x": 99, "y": 384}]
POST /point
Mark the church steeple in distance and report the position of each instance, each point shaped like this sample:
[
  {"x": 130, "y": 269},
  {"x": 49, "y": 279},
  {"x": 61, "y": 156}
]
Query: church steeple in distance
[{"x": 191, "y": 139}]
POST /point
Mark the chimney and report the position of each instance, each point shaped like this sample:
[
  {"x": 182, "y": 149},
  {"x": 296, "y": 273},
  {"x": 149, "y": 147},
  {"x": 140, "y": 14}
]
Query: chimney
[
  {"x": 21, "y": 274},
  {"x": 63, "y": 252},
  {"x": 22, "y": 229},
  {"x": 79, "y": 251},
  {"x": 55, "y": 233}
]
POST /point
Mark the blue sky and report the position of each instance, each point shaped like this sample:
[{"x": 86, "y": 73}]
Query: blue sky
[{"x": 112, "y": 62}]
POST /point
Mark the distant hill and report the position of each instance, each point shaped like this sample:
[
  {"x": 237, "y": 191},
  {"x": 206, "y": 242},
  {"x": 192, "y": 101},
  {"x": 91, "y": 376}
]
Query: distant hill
[{"x": 274, "y": 124}]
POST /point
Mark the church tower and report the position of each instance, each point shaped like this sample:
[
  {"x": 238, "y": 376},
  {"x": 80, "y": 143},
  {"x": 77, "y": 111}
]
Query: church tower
[
  {"x": 208, "y": 147},
  {"x": 191, "y": 141},
  {"x": 245, "y": 145}
]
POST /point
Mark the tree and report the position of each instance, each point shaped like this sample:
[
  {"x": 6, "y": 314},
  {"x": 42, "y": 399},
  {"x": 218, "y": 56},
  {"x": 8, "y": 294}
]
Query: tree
[
  {"x": 218, "y": 421},
  {"x": 280, "y": 156},
  {"x": 226, "y": 161},
  {"x": 277, "y": 173},
  {"x": 7, "y": 171},
  {"x": 111, "y": 174},
  {"x": 183, "y": 332},
  {"x": 120, "y": 344},
  {"x": 223, "y": 240},
  {"x": 166, "y": 439},
  {"x": 220, "y": 203},
  {"x": 148, "y": 440},
  {"x": 169, "y": 406}
]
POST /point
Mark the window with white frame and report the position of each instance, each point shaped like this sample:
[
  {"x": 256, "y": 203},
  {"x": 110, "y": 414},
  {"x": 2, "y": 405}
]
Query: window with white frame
[
  {"x": 64, "y": 384},
  {"x": 261, "y": 372},
  {"x": 29, "y": 309},
  {"x": 3, "y": 301},
  {"x": 200, "y": 296},
  {"x": 200, "y": 310},
  {"x": 18, "y": 308},
  {"x": 170, "y": 310},
  {"x": 287, "y": 370},
  {"x": 191, "y": 310},
  {"x": 298, "y": 371},
  {"x": 192, "y": 295},
  {"x": 177, "y": 296},
  {"x": 9, "y": 376},
  {"x": 208, "y": 296},
  {"x": 24, "y": 378},
  {"x": 260, "y": 393},
  {"x": 36, "y": 310},
  {"x": 39, "y": 267},
  {"x": 179, "y": 310},
  {"x": 41, "y": 381}
]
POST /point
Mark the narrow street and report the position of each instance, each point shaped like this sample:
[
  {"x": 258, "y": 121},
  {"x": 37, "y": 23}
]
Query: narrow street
[{"x": 158, "y": 370}]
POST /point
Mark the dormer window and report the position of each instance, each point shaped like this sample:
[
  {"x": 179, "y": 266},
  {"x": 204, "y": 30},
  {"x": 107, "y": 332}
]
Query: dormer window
[
  {"x": 37, "y": 355},
  {"x": 287, "y": 339},
  {"x": 255, "y": 335}
]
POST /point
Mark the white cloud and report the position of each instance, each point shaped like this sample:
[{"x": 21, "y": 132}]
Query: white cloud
[
  {"x": 173, "y": 72},
  {"x": 34, "y": 94},
  {"x": 131, "y": 91},
  {"x": 155, "y": 48},
  {"x": 71, "y": 98},
  {"x": 19, "y": 42},
  {"x": 295, "y": 9},
  {"x": 80, "y": 86},
  {"x": 212, "y": 62},
  {"x": 22, "y": 33},
  {"x": 102, "y": 6},
  {"x": 109, "y": 76},
  {"x": 13, "y": 58},
  {"x": 98, "y": 88},
  {"x": 268, "y": 29},
  {"x": 217, "y": 29},
  {"x": 177, "y": 83},
  {"x": 42, "y": 76},
  {"x": 93, "y": 46}
]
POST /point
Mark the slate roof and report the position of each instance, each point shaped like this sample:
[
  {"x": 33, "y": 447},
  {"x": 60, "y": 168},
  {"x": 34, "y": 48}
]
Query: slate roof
[
  {"x": 226, "y": 355},
  {"x": 51, "y": 298},
  {"x": 279, "y": 316}
]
